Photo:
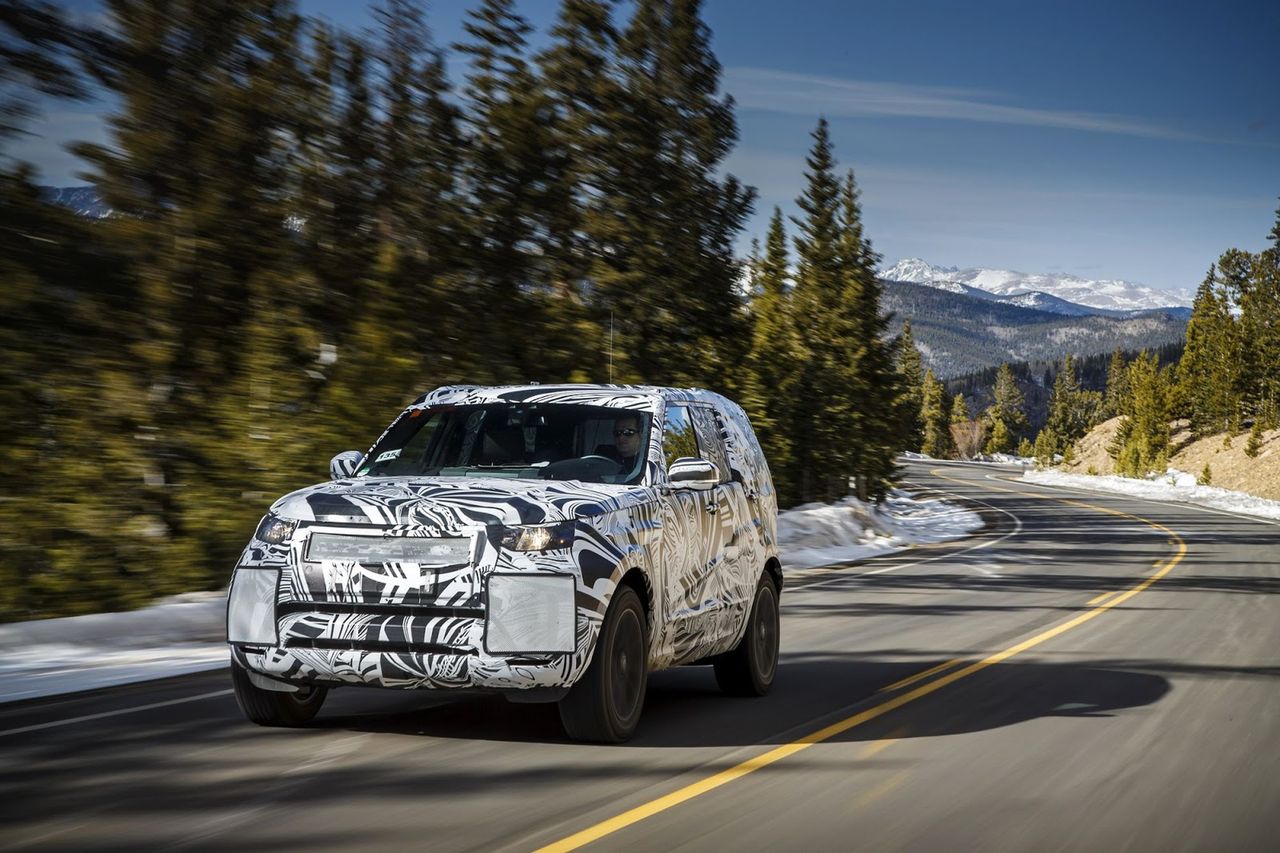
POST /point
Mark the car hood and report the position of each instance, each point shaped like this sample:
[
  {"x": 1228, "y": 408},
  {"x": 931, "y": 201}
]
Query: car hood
[{"x": 450, "y": 503}]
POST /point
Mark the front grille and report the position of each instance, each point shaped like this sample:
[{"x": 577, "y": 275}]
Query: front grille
[
  {"x": 345, "y": 608},
  {"x": 376, "y": 646}
]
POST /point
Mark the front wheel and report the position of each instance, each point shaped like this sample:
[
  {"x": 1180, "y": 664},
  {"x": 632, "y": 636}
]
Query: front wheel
[
  {"x": 270, "y": 708},
  {"x": 748, "y": 669},
  {"x": 604, "y": 706}
]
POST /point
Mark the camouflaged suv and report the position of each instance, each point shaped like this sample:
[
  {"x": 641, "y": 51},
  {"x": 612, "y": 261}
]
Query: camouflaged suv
[{"x": 553, "y": 544}]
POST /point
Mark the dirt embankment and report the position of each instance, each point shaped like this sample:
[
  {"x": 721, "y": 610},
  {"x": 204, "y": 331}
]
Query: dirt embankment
[{"x": 1230, "y": 467}]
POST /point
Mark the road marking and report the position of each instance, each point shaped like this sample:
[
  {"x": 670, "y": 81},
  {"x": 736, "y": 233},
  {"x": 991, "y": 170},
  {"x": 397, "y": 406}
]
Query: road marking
[
  {"x": 912, "y": 679},
  {"x": 71, "y": 721},
  {"x": 772, "y": 756},
  {"x": 880, "y": 790},
  {"x": 1098, "y": 599},
  {"x": 879, "y": 746}
]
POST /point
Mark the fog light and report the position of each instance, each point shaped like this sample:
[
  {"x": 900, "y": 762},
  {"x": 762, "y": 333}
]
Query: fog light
[
  {"x": 251, "y": 607},
  {"x": 530, "y": 614}
]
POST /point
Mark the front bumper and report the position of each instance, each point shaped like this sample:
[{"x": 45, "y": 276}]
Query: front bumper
[
  {"x": 498, "y": 640},
  {"x": 410, "y": 670}
]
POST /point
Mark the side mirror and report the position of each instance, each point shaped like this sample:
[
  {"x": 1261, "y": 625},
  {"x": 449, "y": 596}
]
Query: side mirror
[
  {"x": 689, "y": 472},
  {"x": 345, "y": 464}
]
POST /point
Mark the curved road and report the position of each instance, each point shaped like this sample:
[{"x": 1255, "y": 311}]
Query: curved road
[{"x": 1087, "y": 673}]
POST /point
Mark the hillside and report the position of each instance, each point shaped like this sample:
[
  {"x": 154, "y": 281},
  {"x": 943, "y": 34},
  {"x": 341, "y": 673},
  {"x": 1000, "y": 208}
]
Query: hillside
[
  {"x": 958, "y": 333},
  {"x": 1230, "y": 466}
]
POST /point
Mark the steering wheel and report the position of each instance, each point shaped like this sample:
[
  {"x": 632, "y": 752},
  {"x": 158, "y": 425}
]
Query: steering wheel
[
  {"x": 594, "y": 458},
  {"x": 575, "y": 468}
]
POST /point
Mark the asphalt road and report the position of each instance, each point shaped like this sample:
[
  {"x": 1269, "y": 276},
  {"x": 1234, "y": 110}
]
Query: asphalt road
[{"x": 1037, "y": 714}]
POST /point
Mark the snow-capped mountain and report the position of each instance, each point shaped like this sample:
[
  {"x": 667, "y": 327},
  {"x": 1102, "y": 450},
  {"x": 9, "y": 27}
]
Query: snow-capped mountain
[
  {"x": 83, "y": 200},
  {"x": 1041, "y": 290}
]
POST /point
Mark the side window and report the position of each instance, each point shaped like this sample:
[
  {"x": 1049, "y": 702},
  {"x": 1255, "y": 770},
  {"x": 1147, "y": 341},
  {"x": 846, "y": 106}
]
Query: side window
[
  {"x": 678, "y": 438},
  {"x": 709, "y": 440}
]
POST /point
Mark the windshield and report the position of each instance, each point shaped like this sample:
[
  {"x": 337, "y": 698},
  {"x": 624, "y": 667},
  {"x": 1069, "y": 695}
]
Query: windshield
[{"x": 594, "y": 444}]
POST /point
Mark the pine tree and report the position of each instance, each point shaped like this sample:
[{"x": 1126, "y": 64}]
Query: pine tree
[
  {"x": 1005, "y": 415},
  {"x": 875, "y": 363},
  {"x": 999, "y": 440},
  {"x": 959, "y": 410},
  {"x": 934, "y": 417},
  {"x": 1116, "y": 390},
  {"x": 830, "y": 390},
  {"x": 775, "y": 357},
  {"x": 1274, "y": 235},
  {"x": 515, "y": 181},
  {"x": 197, "y": 171},
  {"x": 579, "y": 72},
  {"x": 1254, "y": 444},
  {"x": 1072, "y": 409},
  {"x": 1142, "y": 442},
  {"x": 1259, "y": 332},
  {"x": 420, "y": 144},
  {"x": 911, "y": 369},
  {"x": 333, "y": 188},
  {"x": 662, "y": 218},
  {"x": 1048, "y": 443},
  {"x": 1207, "y": 370}
]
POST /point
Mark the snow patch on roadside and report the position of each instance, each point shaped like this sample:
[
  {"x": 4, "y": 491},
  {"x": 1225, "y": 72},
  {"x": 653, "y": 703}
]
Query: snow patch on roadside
[
  {"x": 1174, "y": 485},
  {"x": 821, "y": 534},
  {"x": 176, "y": 636}
]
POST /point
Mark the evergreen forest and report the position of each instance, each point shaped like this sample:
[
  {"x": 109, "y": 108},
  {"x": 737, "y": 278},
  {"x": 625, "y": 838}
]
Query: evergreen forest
[{"x": 310, "y": 227}]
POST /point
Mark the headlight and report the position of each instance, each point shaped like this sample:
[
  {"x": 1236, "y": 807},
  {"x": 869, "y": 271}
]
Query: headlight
[
  {"x": 275, "y": 530},
  {"x": 538, "y": 537}
]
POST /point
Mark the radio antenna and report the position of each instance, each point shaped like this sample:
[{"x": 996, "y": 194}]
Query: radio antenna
[{"x": 610, "y": 347}]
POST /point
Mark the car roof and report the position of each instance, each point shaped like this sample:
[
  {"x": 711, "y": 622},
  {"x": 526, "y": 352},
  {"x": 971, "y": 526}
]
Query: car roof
[{"x": 617, "y": 396}]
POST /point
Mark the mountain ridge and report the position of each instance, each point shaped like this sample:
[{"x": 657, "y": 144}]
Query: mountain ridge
[
  {"x": 959, "y": 333},
  {"x": 1116, "y": 296}
]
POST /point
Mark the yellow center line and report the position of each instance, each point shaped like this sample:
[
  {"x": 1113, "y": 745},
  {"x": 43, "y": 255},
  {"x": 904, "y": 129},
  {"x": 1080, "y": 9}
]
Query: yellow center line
[
  {"x": 919, "y": 676},
  {"x": 772, "y": 756}
]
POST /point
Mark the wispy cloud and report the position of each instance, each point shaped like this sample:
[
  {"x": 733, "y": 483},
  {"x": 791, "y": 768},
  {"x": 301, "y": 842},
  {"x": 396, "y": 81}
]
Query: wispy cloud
[{"x": 804, "y": 94}]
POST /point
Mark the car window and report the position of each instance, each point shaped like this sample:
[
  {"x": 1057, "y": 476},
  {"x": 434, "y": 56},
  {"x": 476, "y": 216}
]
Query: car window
[
  {"x": 678, "y": 436},
  {"x": 709, "y": 440},
  {"x": 548, "y": 441}
]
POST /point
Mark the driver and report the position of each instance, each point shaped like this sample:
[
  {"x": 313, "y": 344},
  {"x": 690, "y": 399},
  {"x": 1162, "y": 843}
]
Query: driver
[{"x": 625, "y": 449}]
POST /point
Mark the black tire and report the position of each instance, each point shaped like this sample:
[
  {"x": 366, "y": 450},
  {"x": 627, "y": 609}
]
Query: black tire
[
  {"x": 748, "y": 669},
  {"x": 272, "y": 708},
  {"x": 605, "y": 705}
]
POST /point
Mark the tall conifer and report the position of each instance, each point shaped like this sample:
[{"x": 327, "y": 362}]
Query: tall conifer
[
  {"x": 910, "y": 367},
  {"x": 933, "y": 415},
  {"x": 1005, "y": 415},
  {"x": 775, "y": 356}
]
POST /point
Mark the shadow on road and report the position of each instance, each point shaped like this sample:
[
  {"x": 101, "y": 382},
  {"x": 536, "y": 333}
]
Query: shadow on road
[{"x": 685, "y": 709}]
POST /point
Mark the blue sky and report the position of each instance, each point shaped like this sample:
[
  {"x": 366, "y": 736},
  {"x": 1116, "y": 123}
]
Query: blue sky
[{"x": 1104, "y": 139}]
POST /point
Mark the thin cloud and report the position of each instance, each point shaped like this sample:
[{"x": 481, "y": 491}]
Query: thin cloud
[{"x": 803, "y": 94}]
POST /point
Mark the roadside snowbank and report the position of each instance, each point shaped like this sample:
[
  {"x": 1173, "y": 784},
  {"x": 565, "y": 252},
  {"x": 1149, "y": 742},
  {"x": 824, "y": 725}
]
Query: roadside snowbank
[
  {"x": 1174, "y": 485},
  {"x": 820, "y": 534},
  {"x": 184, "y": 634},
  {"x": 175, "y": 636}
]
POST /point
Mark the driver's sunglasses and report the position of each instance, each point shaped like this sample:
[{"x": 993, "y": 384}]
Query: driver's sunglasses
[{"x": 618, "y": 433}]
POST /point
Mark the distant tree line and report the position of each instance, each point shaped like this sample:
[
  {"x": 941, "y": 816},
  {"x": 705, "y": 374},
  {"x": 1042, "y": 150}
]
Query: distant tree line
[
  {"x": 1224, "y": 379},
  {"x": 312, "y": 226}
]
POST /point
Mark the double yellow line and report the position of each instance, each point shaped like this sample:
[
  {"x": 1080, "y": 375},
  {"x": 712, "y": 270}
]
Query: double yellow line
[{"x": 1098, "y": 606}]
